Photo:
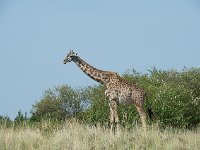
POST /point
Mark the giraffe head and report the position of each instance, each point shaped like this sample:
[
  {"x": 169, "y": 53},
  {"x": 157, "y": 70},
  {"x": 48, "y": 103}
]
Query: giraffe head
[{"x": 71, "y": 56}]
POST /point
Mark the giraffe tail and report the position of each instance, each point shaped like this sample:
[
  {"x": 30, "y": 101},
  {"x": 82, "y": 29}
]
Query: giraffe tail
[{"x": 150, "y": 113}]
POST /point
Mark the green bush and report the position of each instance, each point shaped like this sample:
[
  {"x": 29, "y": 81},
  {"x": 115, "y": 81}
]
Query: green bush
[
  {"x": 5, "y": 122},
  {"x": 98, "y": 110},
  {"x": 173, "y": 96},
  {"x": 61, "y": 103}
]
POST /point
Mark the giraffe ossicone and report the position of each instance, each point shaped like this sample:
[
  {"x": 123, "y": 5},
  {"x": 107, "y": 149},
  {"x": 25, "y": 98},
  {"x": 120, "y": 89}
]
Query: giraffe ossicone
[{"x": 117, "y": 90}]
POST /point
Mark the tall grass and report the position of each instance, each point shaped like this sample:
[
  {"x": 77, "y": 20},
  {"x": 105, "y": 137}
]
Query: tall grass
[{"x": 76, "y": 136}]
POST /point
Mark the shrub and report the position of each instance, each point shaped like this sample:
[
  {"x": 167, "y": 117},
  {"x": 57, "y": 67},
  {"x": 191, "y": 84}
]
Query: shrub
[
  {"x": 173, "y": 96},
  {"x": 61, "y": 103}
]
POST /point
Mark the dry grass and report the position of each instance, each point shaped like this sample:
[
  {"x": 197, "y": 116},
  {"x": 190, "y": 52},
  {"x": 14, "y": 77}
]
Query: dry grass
[{"x": 74, "y": 136}]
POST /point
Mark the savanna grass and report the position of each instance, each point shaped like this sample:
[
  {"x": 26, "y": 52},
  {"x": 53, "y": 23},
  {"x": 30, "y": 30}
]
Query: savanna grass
[{"x": 76, "y": 136}]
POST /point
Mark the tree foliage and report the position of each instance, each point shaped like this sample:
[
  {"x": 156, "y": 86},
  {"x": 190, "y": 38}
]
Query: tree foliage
[
  {"x": 5, "y": 121},
  {"x": 59, "y": 103},
  {"x": 173, "y": 96}
]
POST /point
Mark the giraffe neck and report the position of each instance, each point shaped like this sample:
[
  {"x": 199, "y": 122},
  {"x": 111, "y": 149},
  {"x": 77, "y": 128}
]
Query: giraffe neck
[{"x": 96, "y": 74}]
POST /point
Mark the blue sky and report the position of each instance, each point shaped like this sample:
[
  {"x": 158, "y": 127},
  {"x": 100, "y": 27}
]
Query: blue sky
[{"x": 111, "y": 35}]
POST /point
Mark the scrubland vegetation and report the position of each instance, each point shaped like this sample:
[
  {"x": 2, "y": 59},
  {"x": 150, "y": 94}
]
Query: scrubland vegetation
[
  {"x": 73, "y": 135},
  {"x": 67, "y": 118}
]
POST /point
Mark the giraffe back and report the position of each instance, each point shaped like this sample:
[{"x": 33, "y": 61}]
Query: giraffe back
[{"x": 123, "y": 92}]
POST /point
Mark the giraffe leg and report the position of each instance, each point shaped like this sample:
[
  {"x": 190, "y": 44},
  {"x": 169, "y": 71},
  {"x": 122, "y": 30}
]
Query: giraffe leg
[
  {"x": 111, "y": 117},
  {"x": 114, "y": 119},
  {"x": 142, "y": 115}
]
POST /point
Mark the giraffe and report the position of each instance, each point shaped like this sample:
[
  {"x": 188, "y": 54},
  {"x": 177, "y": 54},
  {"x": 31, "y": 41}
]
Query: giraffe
[{"x": 117, "y": 90}]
